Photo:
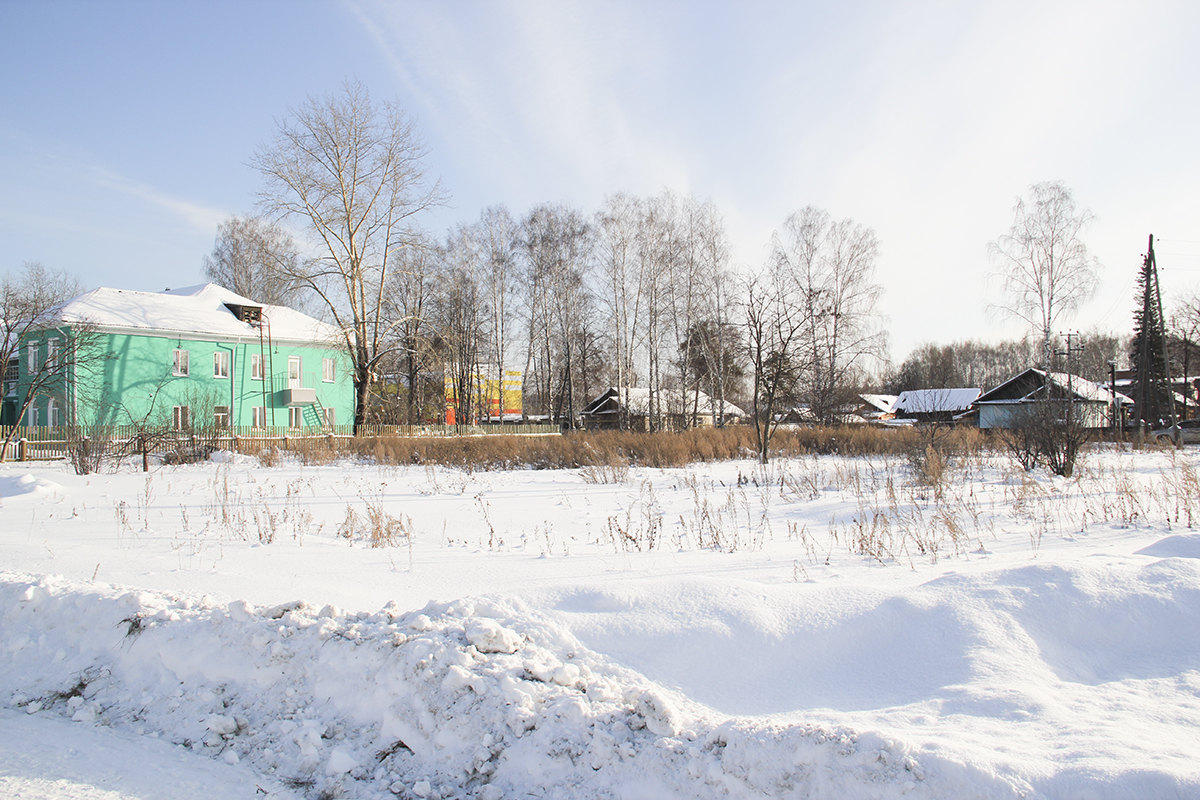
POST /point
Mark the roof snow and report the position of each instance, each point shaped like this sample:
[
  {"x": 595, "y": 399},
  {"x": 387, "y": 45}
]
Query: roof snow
[
  {"x": 198, "y": 310},
  {"x": 885, "y": 403},
  {"x": 638, "y": 400},
  {"x": 1028, "y": 386},
  {"x": 930, "y": 401}
]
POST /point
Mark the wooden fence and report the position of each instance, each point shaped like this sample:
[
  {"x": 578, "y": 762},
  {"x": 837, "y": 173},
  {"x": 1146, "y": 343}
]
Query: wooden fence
[{"x": 43, "y": 443}]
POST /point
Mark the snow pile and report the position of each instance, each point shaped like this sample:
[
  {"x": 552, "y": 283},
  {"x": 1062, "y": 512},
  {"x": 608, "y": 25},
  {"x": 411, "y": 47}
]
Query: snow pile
[
  {"x": 820, "y": 628},
  {"x": 15, "y": 486},
  {"x": 455, "y": 700}
]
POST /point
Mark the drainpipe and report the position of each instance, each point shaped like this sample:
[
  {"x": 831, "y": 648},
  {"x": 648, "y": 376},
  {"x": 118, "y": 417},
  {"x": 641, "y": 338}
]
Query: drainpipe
[{"x": 232, "y": 381}]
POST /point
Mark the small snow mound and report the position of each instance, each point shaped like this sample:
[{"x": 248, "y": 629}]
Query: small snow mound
[
  {"x": 1180, "y": 545},
  {"x": 661, "y": 717},
  {"x": 228, "y": 457},
  {"x": 340, "y": 762},
  {"x": 489, "y": 637},
  {"x": 27, "y": 484}
]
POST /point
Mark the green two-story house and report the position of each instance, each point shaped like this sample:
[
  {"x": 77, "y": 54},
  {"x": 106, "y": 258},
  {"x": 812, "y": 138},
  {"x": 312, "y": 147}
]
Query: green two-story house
[{"x": 195, "y": 357}]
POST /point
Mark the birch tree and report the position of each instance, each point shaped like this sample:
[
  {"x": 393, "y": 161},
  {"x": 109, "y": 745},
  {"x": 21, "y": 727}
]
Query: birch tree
[
  {"x": 622, "y": 280},
  {"x": 351, "y": 172},
  {"x": 256, "y": 258},
  {"x": 496, "y": 236},
  {"x": 1042, "y": 264},
  {"x": 834, "y": 266},
  {"x": 555, "y": 248}
]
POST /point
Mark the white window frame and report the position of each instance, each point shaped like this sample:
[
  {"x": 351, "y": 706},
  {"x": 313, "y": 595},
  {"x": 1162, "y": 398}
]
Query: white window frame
[
  {"x": 220, "y": 364},
  {"x": 221, "y": 417},
  {"x": 31, "y": 416},
  {"x": 53, "y": 413},
  {"x": 12, "y": 375},
  {"x": 181, "y": 363},
  {"x": 328, "y": 371},
  {"x": 51, "y": 354},
  {"x": 295, "y": 417},
  {"x": 31, "y": 354},
  {"x": 258, "y": 416},
  {"x": 181, "y": 417},
  {"x": 256, "y": 366}
]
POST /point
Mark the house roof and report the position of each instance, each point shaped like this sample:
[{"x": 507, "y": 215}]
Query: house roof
[
  {"x": 197, "y": 310},
  {"x": 932, "y": 401},
  {"x": 884, "y": 402},
  {"x": 1024, "y": 387},
  {"x": 669, "y": 399}
]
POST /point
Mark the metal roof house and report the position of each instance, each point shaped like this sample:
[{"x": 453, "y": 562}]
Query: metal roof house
[
  {"x": 1002, "y": 407},
  {"x": 197, "y": 356}
]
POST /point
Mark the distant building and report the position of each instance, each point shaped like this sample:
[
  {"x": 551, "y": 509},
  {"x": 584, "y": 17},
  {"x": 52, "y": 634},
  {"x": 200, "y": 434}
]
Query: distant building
[
  {"x": 495, "y": 396},
  {"x": 676, "y": 409},
  {"x": 877, "y": 407},
  {"x": 194, "y": 357},
  {"x": 934, "y": 405},
  {"x": 1003, "y": 406}
]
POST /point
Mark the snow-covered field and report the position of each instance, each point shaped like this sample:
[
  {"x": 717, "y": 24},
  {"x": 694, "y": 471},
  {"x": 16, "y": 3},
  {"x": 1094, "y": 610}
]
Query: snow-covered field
[{"x": 821, "y": 628}]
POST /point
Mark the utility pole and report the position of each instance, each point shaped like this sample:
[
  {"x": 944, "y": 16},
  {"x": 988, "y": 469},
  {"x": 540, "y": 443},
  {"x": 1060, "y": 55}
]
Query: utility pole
[
  {"x": 1070, "y": 352},
  {"x": 1112, "y": 387}
]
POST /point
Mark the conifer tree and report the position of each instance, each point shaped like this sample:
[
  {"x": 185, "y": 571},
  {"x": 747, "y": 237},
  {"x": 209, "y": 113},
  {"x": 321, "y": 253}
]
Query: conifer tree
[{"x": 1147, "y": 351}]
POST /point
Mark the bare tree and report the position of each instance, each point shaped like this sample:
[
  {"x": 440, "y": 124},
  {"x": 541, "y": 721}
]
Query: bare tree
[
  {"x": 775, "y": 317},
  {"x": 834, "y": 264},
  {"x": 556, "y": 253},
  {"x": 34, "y": 335},
  {"x": 461, "y": 323},
  {"x": 721, "y": 341},
  {"x": 28, "y": 301},
  {"x": 255, "y": 258},
  {"x": 351, "y": 170},
  {"x": 1044, "y": 267},
  {"x": 1183, "y": 331},
  {"x": 410, "y": 300},
  {"x": 622, "y": 280},
  {"x": 496, "y": 237}
]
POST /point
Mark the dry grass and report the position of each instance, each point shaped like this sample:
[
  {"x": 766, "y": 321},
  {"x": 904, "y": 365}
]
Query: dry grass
[
  {"x": 377, "y": 527},
  {"x": 605, "y": 455}
]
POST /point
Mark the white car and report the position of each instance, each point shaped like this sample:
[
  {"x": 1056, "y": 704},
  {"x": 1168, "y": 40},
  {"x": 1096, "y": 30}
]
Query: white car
[{"x": 1189, "y": 431}]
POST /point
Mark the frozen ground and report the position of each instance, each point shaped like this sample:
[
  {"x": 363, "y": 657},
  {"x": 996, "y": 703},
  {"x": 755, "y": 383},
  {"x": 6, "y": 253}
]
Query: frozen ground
[{"x": 823, "y": 628}]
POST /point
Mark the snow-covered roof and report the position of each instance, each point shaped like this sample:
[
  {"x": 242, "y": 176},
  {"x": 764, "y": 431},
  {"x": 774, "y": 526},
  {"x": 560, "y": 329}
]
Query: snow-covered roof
[
  {"x": 931, "y": 401},
  {"x": 1026, "y": 386},
  {"x": 669, "y": 400},
  {"x": 194, "y": 310},
  {"x": 884, "y": 402}
]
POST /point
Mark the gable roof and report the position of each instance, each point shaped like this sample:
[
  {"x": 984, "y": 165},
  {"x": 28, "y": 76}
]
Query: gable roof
[
  {"x": 1024, "y": 388},
  {"x": 197, "y": 310},
  {"x": 934, "y": 401},
  {"x": 669, "y": 400},
  {"x": 885, "y": 403}
]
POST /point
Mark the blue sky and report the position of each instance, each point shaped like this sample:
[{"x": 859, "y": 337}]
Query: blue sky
[{"x": 126, "y": 127}]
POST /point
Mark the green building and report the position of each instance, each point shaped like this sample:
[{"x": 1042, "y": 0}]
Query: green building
[{"x": 195, "y": 357}]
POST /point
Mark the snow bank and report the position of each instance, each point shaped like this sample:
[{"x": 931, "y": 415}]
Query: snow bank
[
  {"x": 816, "y": 628},
  {"x": 16, "y": 486},
  {"x": 465, "y": 699}
]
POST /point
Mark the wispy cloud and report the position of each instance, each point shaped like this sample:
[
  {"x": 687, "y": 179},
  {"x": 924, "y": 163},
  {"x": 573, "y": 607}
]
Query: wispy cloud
[{"x": 201, "y": 218}]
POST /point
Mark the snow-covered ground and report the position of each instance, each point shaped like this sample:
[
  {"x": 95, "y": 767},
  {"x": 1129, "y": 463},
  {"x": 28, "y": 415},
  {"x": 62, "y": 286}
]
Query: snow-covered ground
[{"x": 823, "y": 628}]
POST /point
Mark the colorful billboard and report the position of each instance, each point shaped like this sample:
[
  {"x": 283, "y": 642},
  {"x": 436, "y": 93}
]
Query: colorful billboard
[{"x": 494, "y": 396}]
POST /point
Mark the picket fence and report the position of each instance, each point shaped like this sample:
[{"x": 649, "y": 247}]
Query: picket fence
[{"x": 42, "y": 443}]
